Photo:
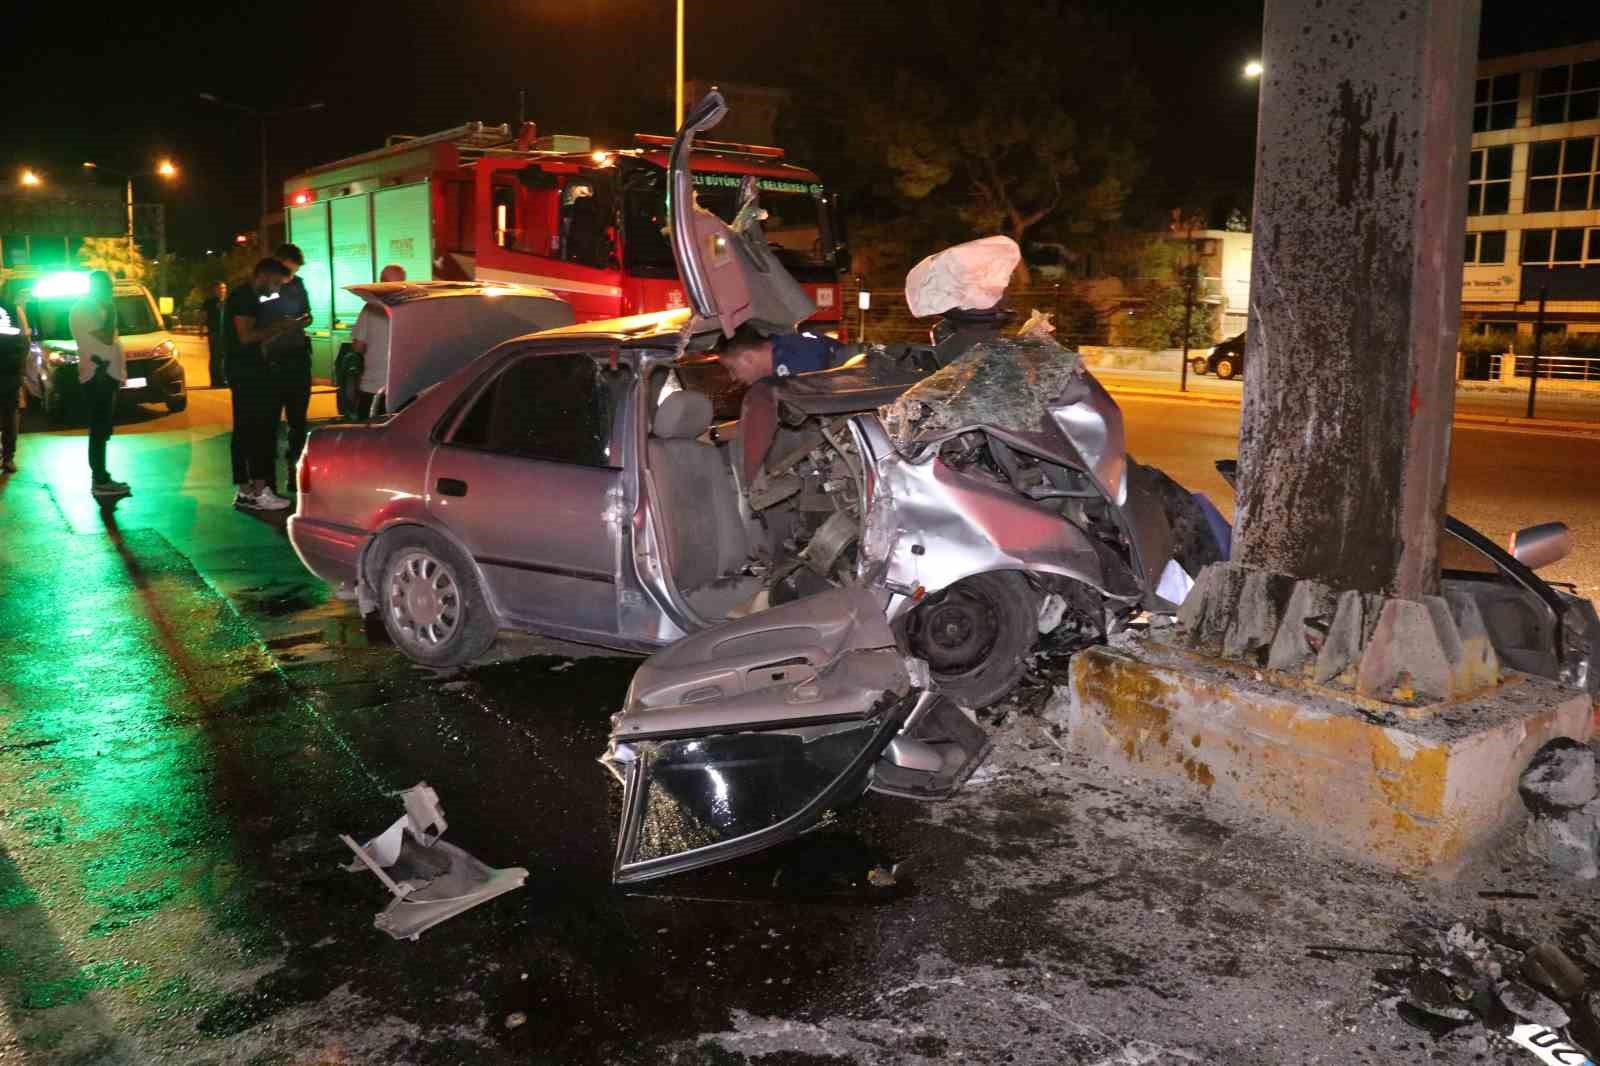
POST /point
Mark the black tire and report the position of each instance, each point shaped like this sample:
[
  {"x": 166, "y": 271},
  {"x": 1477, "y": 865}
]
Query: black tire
[
  {"x": 431, "y": 599},
  {"x": 1227, "y": 368},
  {"x": 1199, "y": 365},
  {"x": 178, "y": 403},
  {"x": 976, "y": 635}
]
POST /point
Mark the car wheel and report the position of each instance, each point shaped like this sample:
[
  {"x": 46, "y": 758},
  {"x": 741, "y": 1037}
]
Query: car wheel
[
  {"x": 430, "y": 599},
  {"x": 178, "y": 403},
  {"x": 1199, "y": 365},
  {"x": 1227, "y": 368},
  {"x": 975, "y": 635}
]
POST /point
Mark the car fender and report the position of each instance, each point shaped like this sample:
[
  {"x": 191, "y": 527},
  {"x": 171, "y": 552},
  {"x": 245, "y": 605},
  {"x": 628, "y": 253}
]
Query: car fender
[{"x": 411, "y": 512}]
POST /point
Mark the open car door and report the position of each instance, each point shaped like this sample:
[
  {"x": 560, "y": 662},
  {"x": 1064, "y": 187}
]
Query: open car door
[
  {"x": 746, "y": 735},
  {"x": 729, "y": 273}
]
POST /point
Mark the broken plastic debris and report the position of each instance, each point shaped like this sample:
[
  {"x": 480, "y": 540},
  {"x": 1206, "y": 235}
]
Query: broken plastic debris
[
  {"x": 1037, "y": 325},
  {"x": 973, "y": 275},
  {"x": 516, "y": 1019},
  {"x": 1175, "y": 583},
  {"x": 878, "y": 877},
  {"x": 1549, "y": 1046},
  {"x": 431, "y": 880},
  {"x": 1051, "y": 611}
]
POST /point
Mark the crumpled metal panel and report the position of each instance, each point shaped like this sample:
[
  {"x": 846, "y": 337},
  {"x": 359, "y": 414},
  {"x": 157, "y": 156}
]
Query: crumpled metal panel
[
  {"x": 1009, "y": 382},
  {"x": 1030, "y": 390}
]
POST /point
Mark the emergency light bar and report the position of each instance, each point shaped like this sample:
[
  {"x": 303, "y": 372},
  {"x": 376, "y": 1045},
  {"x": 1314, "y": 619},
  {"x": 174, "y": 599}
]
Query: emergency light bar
[
  {"x": 655, "y": 140},
  {"x": 64, "y": 283}
]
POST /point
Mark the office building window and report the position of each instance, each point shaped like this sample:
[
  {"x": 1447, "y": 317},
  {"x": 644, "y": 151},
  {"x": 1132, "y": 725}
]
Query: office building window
[
  {"x": 1561, "y": 175},
  {"x": 1489, "y": 181},
  {"x": 1561, "y": 247},
  {"x": 1495, "y": 103},
  {"x": 1486, "y": 247},
  {"x": 1568, "y": 93}
]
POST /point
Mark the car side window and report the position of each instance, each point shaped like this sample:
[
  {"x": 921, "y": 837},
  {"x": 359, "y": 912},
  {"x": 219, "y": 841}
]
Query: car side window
[{"x": 555, "y": 407}]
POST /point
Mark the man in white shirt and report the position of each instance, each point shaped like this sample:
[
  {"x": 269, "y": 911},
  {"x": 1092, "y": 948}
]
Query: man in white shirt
[
  {"x": 102, "y": 368},
  {"x": 370, "y": 339}
]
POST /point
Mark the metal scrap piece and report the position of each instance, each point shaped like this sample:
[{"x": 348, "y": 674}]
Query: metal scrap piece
[{"x": 431, "y": 880}]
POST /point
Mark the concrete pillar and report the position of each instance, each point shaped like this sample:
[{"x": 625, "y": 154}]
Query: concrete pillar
[{"x": 1355, "y": 290}]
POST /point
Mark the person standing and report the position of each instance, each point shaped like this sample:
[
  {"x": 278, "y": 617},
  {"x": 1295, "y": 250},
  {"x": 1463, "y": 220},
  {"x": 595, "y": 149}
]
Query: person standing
[
  {"x": 213, "y": 311},
  {"x": 255, "y": 393},
  {"x": 102, "y": 368},
  {"x": 288, "y": 356},
  {"x": 370, "y": 339},
  {"x": 13, "y": 355}
]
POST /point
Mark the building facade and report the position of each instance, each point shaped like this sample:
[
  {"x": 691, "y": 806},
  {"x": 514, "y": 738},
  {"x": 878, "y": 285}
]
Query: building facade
[{"x": 1533, "y": 195}]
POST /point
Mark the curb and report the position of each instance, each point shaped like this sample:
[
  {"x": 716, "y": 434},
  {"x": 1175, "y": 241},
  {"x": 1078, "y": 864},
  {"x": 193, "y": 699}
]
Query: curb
[{"x": 1547, "y": 425}]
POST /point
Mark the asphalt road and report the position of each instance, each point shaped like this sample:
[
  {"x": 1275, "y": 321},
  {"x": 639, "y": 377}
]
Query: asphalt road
[{"x": 188, "y": 722}]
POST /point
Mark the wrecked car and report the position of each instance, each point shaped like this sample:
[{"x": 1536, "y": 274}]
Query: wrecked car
[{"x": 568, "y": 483}]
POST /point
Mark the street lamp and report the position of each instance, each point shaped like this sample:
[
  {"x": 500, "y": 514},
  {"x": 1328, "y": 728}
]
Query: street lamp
[
  {"x": 677, "y": 96},
  {"x": 1253, "y": 69},
  {"x": 164, "y": 169},
  {"x": 262, "y": 117},
  {"x": 30, "y": 178}
]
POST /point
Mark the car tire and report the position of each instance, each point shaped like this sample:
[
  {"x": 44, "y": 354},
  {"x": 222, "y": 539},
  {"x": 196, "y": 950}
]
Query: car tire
[
  {"x": 431, "y": 599},
  {"x": 178, "y": 403},
  {"x": 1199, "y": 365},
  {"x": 976, "y": 635},
  {"x": 1227, "y": 369}
]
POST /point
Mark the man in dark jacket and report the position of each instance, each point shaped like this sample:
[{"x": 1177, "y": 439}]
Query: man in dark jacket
[
  {"x": 13, "y": 354},
  {"x": 289, "y": 355},
  {"x": 214, "y": 330}
]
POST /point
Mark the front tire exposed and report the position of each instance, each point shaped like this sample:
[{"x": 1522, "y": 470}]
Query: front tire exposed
[
  {"x": 177, "y": 403},
  {"x": 976, "y": 635},
  {"x": 1227, "y": 368},
  {"x": 1199, "y": 365},
  {"x": 430, "y": 599}
]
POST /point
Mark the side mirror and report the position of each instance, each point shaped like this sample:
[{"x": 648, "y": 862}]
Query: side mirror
[
  {"x": 170, "y": 320},
  {"x": 1539, "y": 546}
]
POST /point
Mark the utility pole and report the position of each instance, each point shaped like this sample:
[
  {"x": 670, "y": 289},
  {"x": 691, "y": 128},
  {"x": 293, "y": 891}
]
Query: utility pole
[
  {"x": 1538, "y": 349},
  {"x": 262, "y": 118},
  {"x": 677, "y": 89}
]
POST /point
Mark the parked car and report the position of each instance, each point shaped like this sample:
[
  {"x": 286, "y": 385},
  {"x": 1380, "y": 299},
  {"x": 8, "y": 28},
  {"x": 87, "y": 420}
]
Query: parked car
[
  {"x": 50, "y": 377},
  {"x": 569, "y": 483},
  {"x": 1226, "y": 360}
]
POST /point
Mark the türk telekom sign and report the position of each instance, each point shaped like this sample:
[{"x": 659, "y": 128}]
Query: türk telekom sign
[{"x": 1498, "y": 284}]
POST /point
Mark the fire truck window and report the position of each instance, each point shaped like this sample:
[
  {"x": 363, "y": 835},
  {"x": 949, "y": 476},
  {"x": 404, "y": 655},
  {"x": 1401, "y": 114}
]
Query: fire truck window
[
  {"x": 586, "y": 219},
  {"x": 557, "y": 408}
]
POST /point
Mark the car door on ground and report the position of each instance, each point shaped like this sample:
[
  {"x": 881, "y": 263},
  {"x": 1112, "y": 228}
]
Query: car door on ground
[{"x": 528, "y": 476}]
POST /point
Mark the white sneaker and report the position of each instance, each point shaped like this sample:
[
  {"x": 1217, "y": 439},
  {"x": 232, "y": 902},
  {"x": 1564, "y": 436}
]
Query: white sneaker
[{"x": 267, "y": 500}]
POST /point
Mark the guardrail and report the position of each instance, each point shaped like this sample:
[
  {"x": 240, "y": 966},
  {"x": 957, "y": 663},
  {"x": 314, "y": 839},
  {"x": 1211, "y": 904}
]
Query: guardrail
[{"x": 1560, "y": 370}]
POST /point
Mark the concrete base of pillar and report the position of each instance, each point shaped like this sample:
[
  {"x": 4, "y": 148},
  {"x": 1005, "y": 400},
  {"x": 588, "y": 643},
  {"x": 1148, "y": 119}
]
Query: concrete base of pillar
[{"x": 1417, "y": 794}]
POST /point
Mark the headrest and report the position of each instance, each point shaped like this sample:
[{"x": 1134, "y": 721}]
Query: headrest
[{"x": 683, "y": 416}]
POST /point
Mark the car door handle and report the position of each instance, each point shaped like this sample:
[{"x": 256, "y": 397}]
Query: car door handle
[{"x": 449, "y": 486}]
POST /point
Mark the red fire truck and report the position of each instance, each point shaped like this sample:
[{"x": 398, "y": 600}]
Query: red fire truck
[{"x": 586, "y": 223}]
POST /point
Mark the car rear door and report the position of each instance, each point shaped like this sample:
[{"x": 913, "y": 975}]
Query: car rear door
[{"x": 528, "y": 475}]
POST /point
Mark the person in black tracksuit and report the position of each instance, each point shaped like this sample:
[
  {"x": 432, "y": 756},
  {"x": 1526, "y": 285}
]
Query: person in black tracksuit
[
  {"x": 254, "y": 385},
  {"x": 214, "y": 328},
  {"x": 289, "y": 357}
]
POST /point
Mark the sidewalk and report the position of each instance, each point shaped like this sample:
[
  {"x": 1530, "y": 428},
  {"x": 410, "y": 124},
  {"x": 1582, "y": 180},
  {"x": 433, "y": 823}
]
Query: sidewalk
[{"x": 1164, "y": 386}]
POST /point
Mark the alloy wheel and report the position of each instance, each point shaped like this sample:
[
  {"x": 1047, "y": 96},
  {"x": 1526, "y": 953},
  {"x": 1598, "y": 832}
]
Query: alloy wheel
[{"x": 423, "y": 599}]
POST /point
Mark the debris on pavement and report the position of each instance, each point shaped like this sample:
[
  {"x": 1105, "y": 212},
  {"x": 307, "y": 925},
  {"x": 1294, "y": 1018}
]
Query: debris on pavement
[
  {"x": 431, "y": 880},
  {"x": 880, "y": 877},
  {"x": 1560, "y": 790},
  {"x": 516, "y": 1019},
  {"x": 1493, "y": 981}
]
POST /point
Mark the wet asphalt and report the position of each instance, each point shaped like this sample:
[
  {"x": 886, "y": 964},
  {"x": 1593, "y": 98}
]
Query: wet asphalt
[{"x": 188, "y": 722}]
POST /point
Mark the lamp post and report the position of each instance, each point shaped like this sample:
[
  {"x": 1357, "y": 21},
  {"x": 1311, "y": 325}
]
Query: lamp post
[
  {"x": 30, "y": 178},
  {"x": 164, "y": 169},
  {"x": 1253, "y": 69},
  {"x": 262, "y": 117},
  {"x": 677, "y": 92}
]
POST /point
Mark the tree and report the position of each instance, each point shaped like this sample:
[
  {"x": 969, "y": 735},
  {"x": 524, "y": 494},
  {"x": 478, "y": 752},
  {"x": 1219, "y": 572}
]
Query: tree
[
  {"x": 115, "y": 255},
  {"x": 1008, "y": 137}
]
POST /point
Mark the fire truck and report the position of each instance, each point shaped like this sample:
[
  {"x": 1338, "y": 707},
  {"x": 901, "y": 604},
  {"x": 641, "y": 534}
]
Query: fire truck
[{"x": 587, "y": 223}]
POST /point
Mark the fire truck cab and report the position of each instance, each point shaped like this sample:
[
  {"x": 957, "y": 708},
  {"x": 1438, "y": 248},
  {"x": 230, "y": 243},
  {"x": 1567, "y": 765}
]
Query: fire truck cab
[{"x": 477, "y": 203}]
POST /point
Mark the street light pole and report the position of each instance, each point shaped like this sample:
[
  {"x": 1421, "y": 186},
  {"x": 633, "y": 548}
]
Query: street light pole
[
  {"x": 677, "y": 92},
  {"x": 131, "y": 252}
]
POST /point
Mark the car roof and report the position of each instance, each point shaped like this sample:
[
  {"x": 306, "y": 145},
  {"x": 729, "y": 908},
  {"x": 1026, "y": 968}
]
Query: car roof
[{"x": 659, "y": 329}]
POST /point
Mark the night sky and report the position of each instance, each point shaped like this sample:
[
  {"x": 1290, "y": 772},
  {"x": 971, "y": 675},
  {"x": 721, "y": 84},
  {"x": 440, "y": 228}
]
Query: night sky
[{"x": 124, "y": 91}]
